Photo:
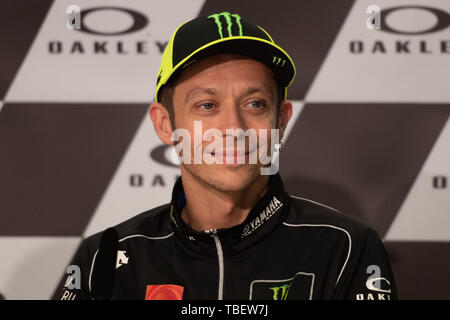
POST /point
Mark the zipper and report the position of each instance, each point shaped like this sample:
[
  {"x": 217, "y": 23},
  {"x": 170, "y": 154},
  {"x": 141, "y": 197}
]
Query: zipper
[{"x": 213, "y": 233}]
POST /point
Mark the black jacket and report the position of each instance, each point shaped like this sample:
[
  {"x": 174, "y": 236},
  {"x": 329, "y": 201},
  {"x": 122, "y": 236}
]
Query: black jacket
[{"x": 287, "y": 248}]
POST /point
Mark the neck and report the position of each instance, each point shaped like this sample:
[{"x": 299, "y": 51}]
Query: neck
[{"x": 210, "y": 208}]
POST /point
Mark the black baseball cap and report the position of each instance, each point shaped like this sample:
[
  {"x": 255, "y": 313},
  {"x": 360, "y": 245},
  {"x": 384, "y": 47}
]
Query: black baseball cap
[{"x": 219, "y": 33}]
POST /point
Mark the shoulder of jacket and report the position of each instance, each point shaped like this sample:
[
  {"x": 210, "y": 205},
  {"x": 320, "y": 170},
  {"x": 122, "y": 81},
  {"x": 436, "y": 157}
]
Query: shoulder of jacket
[
  {"x": 309, "y": 213},
  {"x": 151, "y": 223}
]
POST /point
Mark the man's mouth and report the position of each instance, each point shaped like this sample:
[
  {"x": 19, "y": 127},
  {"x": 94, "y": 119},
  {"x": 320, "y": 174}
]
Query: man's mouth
[
  {"x": 233, "y": 157},
  {"x": 232, "y": 153}
]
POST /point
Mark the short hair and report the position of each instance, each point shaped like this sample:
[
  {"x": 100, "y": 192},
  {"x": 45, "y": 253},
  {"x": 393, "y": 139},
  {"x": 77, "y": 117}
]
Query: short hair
[{"x": 166, "y": 99}]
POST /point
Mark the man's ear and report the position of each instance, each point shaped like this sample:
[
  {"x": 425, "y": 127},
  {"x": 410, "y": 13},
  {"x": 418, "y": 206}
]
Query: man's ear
[
  {"x": 284, "y": 116},
  {"x": 161, "y": 122}
]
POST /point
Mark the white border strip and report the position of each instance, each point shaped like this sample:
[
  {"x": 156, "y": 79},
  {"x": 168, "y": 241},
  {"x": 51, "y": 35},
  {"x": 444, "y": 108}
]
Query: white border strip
[{"x": 318, "y": 203}]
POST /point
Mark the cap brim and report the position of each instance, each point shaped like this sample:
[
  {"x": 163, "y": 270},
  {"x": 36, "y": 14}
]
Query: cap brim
[{"x": 264, "y": 51}]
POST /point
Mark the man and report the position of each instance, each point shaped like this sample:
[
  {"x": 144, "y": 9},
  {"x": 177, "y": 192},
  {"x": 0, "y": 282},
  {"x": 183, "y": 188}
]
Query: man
[{"x": 230, "y": 231}]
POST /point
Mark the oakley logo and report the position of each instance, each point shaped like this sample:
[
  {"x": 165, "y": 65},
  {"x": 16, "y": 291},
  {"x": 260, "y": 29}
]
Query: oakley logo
[
  {"x": 442, "y": 20},
  {"x": 374, "y": 284},
  {"x": 229, "y": 21},
  {"x": 276, "y": 61},
  {"x": 140, "y": 21}
]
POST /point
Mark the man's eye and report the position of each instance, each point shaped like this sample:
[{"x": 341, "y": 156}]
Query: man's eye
[
  {"x": 256, "y": 104},
  {"x": 207, "y": 106}
]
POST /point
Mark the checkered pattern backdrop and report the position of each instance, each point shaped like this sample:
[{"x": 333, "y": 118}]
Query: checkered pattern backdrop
[{"x": 369, "y": 135}]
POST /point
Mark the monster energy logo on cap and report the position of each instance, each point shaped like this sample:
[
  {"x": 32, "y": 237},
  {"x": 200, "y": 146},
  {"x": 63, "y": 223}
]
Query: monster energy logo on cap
[{"x": 229, "y": 22}]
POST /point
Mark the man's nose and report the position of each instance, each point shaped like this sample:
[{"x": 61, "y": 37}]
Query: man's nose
[{"x": 232, "y": 118}]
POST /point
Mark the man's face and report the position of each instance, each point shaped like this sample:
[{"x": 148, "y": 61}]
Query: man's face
[{"x": 226, "y": 92}]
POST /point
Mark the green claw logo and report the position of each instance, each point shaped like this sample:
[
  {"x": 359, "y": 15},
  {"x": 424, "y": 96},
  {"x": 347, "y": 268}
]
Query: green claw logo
[
  {"x": 229, "y": 22},
  {"x": 281, "y": 292},
  {"x": 277, "y": 61}
]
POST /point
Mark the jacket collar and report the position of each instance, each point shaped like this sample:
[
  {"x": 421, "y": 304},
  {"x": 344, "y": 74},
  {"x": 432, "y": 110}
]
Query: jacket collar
[{"x": 263, "y": 218}]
